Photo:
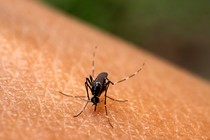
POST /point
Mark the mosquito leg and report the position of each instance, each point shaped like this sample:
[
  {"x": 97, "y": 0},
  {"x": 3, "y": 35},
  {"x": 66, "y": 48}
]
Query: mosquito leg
[
  {"x": 87, "y": 85},
  {"x": 65, "y": 94},
  {"x": 80, "y": 96},
  {"x": 130, "y": 76},
  {"x": 91, "y": 80},
  {"x": 118, "y": 100},
  {"x": 109, "y": 81},
  {"x": 113, "y": 98},
  {"x": 93, "y": 62},
  {"x": 82, "y": 109},
  {"x": 107, "y": 86}
]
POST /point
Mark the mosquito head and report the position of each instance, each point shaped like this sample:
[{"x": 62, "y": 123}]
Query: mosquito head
[{"x": 95, "y": 100}]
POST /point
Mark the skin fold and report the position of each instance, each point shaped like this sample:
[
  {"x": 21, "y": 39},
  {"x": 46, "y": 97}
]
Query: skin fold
[{"x": 43, "y": 52}]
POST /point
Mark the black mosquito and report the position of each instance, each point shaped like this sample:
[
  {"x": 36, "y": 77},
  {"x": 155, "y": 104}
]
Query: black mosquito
[{"x": 97, "y": 87}]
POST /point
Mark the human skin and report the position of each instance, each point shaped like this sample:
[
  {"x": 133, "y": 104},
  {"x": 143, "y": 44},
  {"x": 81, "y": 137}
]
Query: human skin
[{"x": 43, "y": 52}]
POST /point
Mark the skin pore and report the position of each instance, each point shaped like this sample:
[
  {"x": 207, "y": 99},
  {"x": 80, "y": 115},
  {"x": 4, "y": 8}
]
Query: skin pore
[{"x": 43, "y": 52}]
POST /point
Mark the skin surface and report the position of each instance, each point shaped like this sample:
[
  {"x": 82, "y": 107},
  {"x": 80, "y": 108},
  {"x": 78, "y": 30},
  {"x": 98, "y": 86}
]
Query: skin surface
[{"x": 43, "y": 52}]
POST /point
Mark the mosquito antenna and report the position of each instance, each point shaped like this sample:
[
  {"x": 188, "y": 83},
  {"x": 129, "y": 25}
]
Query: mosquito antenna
[
  {"x": 93, "y": 62},
  {"x": 126, "y": 78}
]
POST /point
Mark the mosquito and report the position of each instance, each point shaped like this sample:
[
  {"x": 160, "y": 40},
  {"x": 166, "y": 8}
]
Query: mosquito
[{"x": 99, "y": 85}]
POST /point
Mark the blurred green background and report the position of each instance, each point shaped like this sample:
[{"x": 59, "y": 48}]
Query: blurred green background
[{"x": 176, "y": 30}]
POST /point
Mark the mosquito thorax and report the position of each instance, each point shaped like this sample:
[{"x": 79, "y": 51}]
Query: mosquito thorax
[{"x": 96, "y": 88}]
